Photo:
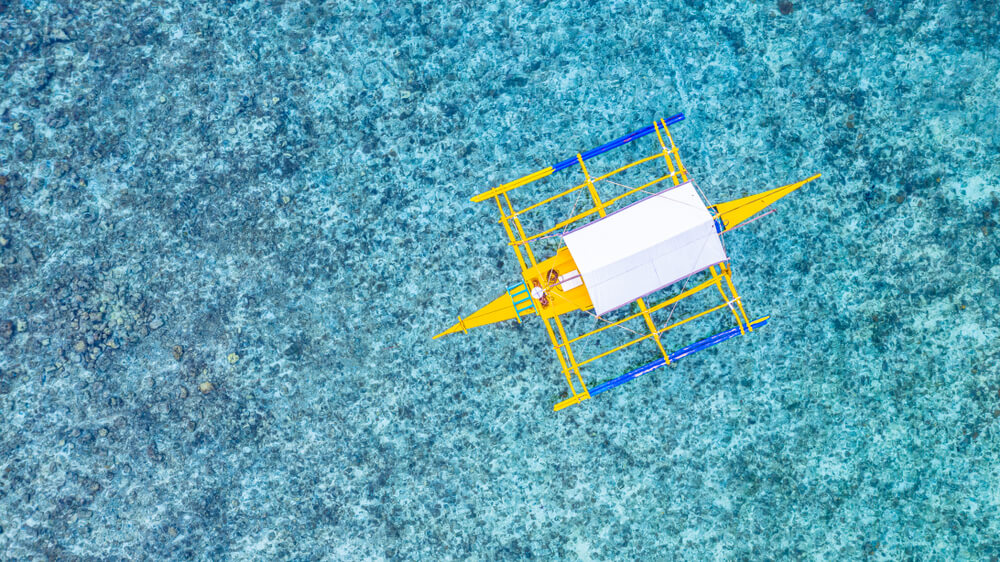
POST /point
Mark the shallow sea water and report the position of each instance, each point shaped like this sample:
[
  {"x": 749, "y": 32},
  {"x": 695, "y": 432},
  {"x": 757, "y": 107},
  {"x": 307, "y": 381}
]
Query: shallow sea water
[{"x": 228, "y": 231}]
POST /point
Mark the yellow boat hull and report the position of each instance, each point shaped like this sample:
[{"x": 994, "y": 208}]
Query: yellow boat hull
[{"x": 559, "y": 301}]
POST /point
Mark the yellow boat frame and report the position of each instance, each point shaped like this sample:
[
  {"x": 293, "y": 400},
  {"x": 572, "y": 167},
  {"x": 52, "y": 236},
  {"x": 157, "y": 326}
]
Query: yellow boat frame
[{"x": 518, "y": 302}]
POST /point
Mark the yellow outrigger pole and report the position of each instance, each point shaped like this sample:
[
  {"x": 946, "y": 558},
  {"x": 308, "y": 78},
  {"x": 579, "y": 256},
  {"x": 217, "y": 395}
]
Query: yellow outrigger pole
[{"x": 544, "y": 292}]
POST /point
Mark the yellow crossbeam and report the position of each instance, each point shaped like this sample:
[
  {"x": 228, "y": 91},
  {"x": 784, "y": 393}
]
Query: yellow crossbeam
[
  {"x": 584, "y": 184},
  {"x": 652, "y": 327},
  {"x": 590, "y": 187},
  {"x": 695, "y": 317},
  {"x": 673, "y": 148},
  {"x": 736, "y": 296},
  {"x": 510, "y": 234},
  {"x": 725, "y": 297},
  {"x": 569, "y": 354},
  {"x": 735, "y": 212},
  {"x": 513, "y": 185},
  {"x": 705, "y": 284},
  {"x": 655, "y": 333},
  {"x": 666, "y": 154},
  {"x": 587, "y": 213},
  {"x": 520, "y": 231}
]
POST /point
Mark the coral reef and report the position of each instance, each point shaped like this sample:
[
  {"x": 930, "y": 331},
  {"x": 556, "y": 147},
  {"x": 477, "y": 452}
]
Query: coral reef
[{"x": 228, "y": 230}]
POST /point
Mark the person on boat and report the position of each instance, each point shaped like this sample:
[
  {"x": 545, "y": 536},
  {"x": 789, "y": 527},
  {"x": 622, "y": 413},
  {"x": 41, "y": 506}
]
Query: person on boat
[
  {"x": 538, "y": 293},
  {"x": 552, "y": 277}
]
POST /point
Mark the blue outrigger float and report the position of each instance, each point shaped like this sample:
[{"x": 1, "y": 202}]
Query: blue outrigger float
[{"x": 622, "y": 250}]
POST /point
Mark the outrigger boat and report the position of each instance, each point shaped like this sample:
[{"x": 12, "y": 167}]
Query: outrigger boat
[{"x": 632, "y": 250}]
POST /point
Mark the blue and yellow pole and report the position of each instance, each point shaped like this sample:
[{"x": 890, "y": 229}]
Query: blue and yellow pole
[{"x": 578, "y": 159}]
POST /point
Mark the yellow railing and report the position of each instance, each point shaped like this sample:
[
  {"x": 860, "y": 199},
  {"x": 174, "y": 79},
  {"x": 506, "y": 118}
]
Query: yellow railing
[
  {"x": 563, "y": 344},
  {"x": 518, "y": 237}
]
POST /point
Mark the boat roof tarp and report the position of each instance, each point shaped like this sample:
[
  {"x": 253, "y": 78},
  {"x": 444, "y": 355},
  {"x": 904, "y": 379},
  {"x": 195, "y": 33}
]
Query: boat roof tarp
[{"x": 652, "y": 243}]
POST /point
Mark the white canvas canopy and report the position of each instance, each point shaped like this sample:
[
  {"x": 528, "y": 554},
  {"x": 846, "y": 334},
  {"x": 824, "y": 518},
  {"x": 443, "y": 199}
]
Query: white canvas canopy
[{"x": 644, "y": 247}]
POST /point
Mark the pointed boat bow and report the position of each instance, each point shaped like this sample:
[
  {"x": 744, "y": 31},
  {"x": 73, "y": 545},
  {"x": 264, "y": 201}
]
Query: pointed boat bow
[
  {"x": 737, "y": 211},
  {"x": 502, "y": 308}
]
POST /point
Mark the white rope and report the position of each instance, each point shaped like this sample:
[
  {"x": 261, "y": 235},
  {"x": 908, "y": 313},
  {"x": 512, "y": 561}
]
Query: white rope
[
  {"x": 686, "y": 279},
  {"x": 702, "y": 193},
  {"x": 672, "y": 308},
  {"x": 661, "y": 194},
  {"x": 622, "y": 326},
  {"x": 573, "y": 212},
  {"x": 578, "y": 276}
]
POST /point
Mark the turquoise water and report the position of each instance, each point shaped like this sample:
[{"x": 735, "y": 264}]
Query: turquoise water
[{"x": 228, "y": 233}]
